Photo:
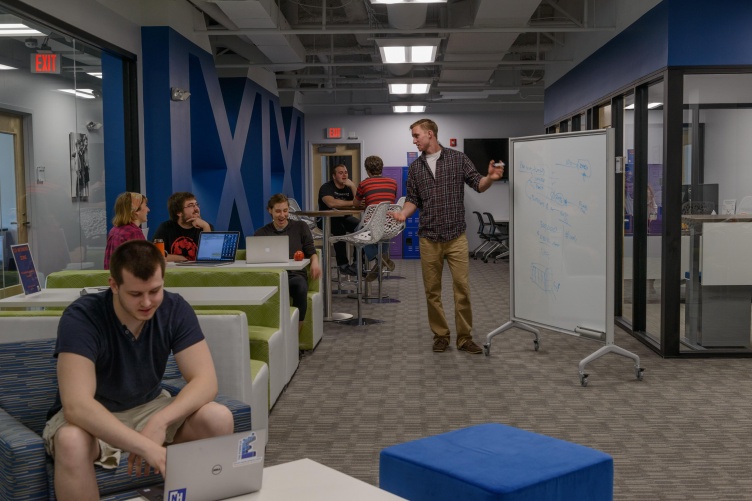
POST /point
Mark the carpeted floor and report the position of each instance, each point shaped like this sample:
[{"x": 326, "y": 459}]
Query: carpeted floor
[{"x": 682, "y": 433}]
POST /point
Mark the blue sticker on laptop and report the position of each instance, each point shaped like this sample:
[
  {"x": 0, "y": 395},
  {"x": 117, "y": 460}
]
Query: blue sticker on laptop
[
  {"x": 176, "y": 495},
  {"x": 249, "y": 451}
]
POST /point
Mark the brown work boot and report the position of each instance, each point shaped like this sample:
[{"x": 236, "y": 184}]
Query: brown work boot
[
  {"x": 373, "y": 274},
  {"x": 388, "y": 263},
  {"x": 440, "y": 344},
  {"x": 470, "y": 347}
]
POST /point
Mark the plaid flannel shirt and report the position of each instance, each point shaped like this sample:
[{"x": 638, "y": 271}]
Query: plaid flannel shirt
[{"x": 441, "y": 200}]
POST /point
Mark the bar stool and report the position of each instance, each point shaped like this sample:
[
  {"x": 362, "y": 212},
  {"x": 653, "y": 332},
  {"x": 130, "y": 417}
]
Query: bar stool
[
  {"x": 392, "y": 228},
  {"x": 370, "y": 233}
]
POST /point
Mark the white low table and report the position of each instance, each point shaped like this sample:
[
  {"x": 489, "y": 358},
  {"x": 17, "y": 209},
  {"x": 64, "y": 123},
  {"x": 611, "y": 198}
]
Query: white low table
[
  {"x": 291, "y": 265},
  {"x": 196, "y": 296},
  {"x": 308, "y": 480}
]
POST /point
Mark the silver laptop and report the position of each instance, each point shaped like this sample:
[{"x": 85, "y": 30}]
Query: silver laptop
[
  {"x": 273, "y": 250},
  {"x": 215, "y": 248},
  {"x": 213, "y": 468}
]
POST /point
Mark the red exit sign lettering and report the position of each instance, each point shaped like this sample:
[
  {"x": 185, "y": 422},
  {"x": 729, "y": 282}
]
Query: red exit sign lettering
[{"x": 45, "y": 62}]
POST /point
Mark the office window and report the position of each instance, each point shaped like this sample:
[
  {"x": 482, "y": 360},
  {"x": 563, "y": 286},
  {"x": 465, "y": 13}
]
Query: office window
[{"x": 717, "y": 184}]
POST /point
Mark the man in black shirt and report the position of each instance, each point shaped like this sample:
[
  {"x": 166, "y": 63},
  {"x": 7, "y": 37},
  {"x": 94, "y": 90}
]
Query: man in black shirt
[
  {"x": 339, "y": 193},
  {"x": 112, "y": 350},
  {"x": 300, "y": 239},
  {"x": 180, "y": 233}
]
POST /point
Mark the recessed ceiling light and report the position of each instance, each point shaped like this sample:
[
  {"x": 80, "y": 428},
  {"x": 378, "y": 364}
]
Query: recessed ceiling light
[
  {"x": 83, "y": 93},
  {"x": 97, "y": 74},
  {"x": 409, "y": 88},
  {"x": 408, "y": 50},
  {"x": 406, "y": 1},
  {"x": 4, "y": 67},
  {"x": 650, "y": 106},
  {"x": 409, "y": 108},
  {"x": 17, "y": 29}
]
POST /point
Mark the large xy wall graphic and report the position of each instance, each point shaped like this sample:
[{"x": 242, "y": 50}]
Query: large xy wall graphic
[{"x": 231, "y": 143}]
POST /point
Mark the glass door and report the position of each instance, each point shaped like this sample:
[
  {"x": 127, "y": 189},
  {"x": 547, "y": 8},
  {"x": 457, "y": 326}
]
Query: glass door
[{"x": 13, "y": 221}]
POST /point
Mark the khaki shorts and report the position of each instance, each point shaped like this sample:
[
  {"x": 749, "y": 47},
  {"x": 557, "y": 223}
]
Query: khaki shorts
[{"x": 135, "y": 418}]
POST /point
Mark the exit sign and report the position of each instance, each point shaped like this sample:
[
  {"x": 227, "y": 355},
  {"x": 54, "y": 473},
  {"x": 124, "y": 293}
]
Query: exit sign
[
  {"x": 45, "y": 62},
  {"x": 334, "y": 133}
]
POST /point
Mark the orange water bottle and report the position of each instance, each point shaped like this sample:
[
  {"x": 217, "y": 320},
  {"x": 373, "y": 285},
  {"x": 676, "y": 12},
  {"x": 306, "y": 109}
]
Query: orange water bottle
[{"x": 160, "y": 245}]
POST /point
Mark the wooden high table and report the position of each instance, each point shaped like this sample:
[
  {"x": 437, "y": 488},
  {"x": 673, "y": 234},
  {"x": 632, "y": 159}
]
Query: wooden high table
[{"x": 325, "y": 215}]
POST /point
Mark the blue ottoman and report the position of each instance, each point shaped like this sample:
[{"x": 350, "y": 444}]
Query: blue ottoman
[{"x": 496, "y": 462}]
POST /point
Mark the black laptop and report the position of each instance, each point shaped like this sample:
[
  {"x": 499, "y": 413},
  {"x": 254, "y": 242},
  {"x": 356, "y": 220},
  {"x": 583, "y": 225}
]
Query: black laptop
[{"x": 215, "y": 248}]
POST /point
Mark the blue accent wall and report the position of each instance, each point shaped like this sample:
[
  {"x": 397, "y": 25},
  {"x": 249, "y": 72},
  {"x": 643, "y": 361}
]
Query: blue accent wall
[
  {"x": 716, "y": 33},
  {"x": 640, "y": 49},
  {"x": 230, "y": 143},
  {"x": 113, "y": 118},
  {"x": 673, "y": 33}
]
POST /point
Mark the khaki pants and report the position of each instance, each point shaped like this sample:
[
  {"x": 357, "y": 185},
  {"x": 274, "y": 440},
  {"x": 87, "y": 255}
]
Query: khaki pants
[
  {"x": 432, "y": 255},
  {"x": 135, "y": 418}
]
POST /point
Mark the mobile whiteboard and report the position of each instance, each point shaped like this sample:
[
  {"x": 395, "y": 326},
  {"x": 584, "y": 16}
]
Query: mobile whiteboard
[{"x": 561, "y": 231}]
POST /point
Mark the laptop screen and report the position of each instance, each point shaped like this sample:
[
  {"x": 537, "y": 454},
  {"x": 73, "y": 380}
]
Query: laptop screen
[{"x": 217, "y": 245}]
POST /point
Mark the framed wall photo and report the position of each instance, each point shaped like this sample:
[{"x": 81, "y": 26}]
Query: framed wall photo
[{"x": 79, "y": 166}]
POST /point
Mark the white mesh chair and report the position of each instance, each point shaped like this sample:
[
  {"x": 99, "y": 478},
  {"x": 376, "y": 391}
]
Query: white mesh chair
[
  {"x": 370, "y": 233},
  {"x": 392, "y": 228},
  {"x": 745, "y": 206},
  {"x": 310, "y": 221}
]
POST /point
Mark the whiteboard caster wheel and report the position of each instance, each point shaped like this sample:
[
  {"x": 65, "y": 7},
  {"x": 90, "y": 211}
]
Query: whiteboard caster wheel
[
  {"x": 537, "y": 345},
  {"x": 583, "y": 379},
  {"x": 639, "y": 373},
  {"x": 487, "y": 349}
]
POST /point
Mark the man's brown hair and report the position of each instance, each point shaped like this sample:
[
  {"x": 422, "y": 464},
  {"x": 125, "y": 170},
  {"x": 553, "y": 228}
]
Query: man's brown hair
[
  {"x": 427, "y": 124},
  {"x": 374, "y": 165},
  {"x": 277, "y": 199},
  {"x": 140, "y": 257},
  {"x": 176, "y": 201}
]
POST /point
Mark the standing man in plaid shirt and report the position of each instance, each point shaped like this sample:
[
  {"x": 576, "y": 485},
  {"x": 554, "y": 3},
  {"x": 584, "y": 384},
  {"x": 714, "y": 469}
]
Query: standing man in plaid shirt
[{"x": 435, "y": 185}]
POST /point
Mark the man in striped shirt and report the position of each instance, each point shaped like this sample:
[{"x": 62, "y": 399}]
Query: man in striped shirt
[
  {"x": 374, "y": 190},
  {"x": 435, "y": 185}
]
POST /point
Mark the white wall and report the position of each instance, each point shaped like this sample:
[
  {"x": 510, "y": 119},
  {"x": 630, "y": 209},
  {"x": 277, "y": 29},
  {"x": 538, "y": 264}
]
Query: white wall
[
  {"x": 388, "y": 136},
  {"x": 728, "y": 152}
]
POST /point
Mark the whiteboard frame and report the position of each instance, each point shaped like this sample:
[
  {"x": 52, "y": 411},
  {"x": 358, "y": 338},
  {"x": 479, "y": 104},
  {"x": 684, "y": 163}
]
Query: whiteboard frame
[{"x": 608, "y": 324}]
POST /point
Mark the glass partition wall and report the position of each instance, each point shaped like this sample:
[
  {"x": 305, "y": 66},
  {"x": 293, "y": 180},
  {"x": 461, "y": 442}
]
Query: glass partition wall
[
  {"x": 716, "y": 213},
  {"x": 52, "y": 163},
  {"x": 683, "y": 285}
]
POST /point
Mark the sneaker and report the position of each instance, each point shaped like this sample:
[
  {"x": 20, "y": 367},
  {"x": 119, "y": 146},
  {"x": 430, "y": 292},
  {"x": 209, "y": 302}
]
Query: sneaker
[
  {"x": 388, "y": 263},
  {"x": 470, "y": 347},
  {"x": 347, "y": 269},
  {"x": 440, "y": 344}
]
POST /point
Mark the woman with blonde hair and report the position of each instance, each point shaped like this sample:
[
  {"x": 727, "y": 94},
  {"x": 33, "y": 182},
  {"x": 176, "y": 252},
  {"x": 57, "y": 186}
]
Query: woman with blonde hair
[{"x": 130, "y": 212}]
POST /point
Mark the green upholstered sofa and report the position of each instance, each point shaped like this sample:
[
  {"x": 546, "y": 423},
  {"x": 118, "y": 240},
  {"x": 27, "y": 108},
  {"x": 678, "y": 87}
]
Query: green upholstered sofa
[
  {"x": 312, "y": 330},
  {"x": 267, "y": 323}
]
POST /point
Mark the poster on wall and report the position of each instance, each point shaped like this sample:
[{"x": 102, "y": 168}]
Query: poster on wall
[
  {"x": 27, "y": 272},
  {"x": 79, "y": 166},
  {"x": 654, "y": 195}
]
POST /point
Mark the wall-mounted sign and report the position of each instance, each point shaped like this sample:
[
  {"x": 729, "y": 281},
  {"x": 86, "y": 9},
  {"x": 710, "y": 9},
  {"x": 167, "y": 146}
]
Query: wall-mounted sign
[
  {"x": 334, "y": 133},
  {"x": 45, "y": 62}
]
